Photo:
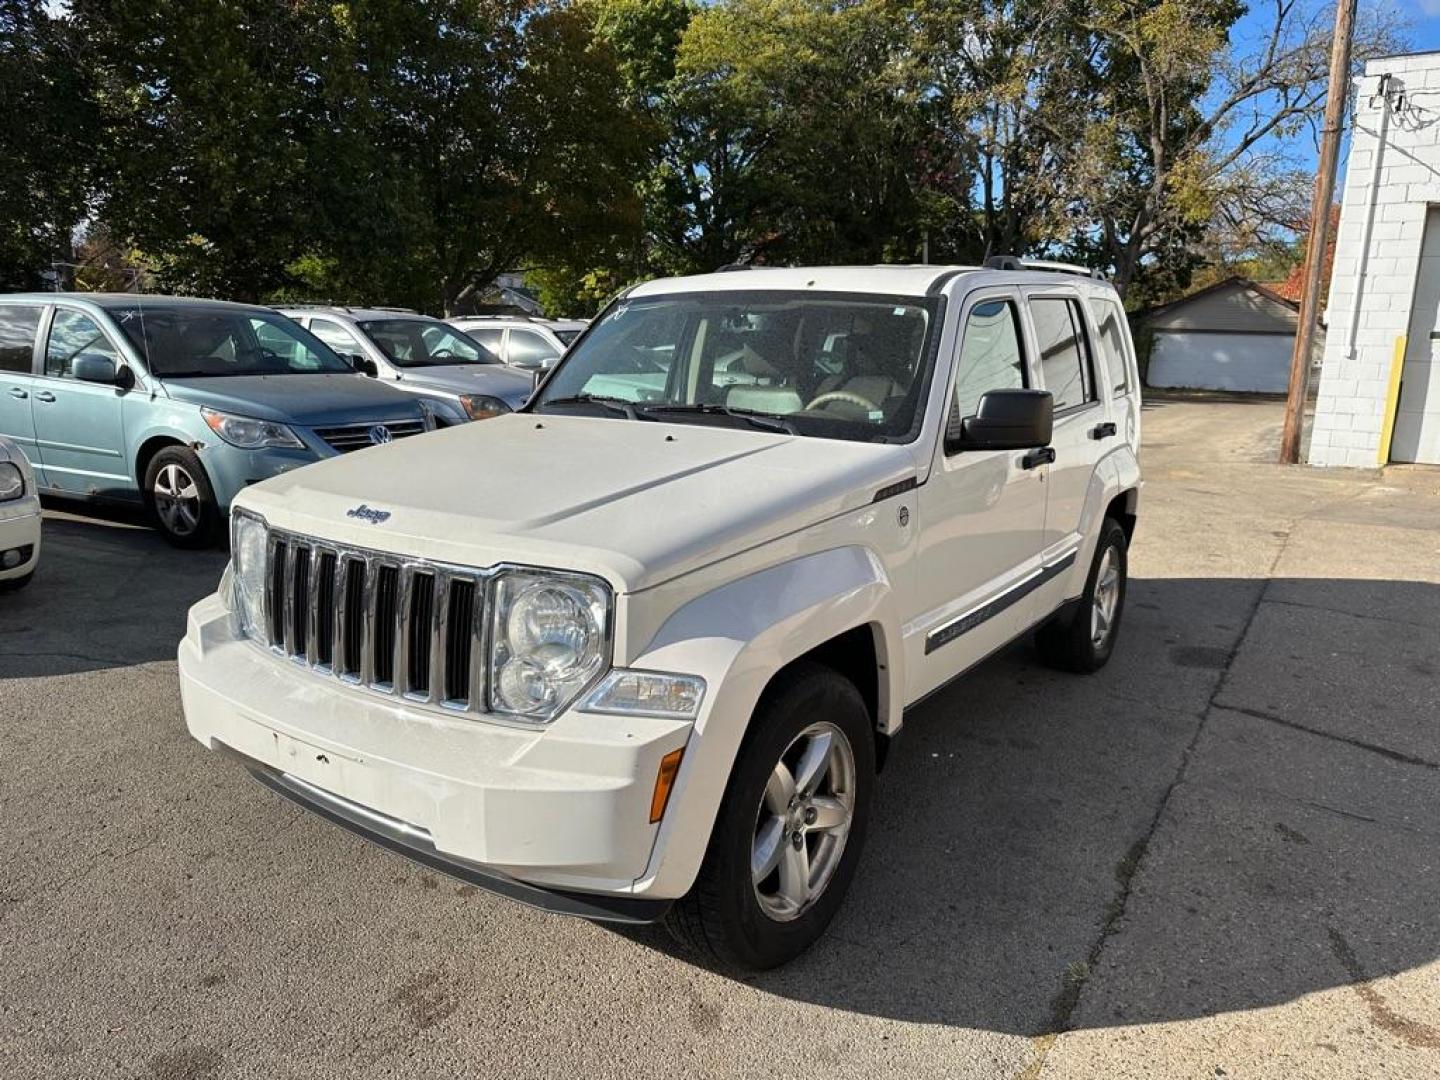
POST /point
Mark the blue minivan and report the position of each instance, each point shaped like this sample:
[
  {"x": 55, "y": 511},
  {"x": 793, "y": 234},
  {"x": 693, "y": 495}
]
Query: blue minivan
[{"x": 180, "y": 402}]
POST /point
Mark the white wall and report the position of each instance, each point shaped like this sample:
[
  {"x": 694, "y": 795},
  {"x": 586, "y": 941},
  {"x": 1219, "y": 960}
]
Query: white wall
[{"x": 1373, "y": 279}]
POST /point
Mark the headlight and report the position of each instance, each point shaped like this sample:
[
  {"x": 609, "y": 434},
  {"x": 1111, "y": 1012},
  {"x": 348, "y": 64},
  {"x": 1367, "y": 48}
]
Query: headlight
[
  {"x": 482, "y": 406},
  {"x": 248, "y": 541},
  {"x": 12, "y": 481},
  {"x": 551, "y": 638},
  {"x": 250, "y": 434}
]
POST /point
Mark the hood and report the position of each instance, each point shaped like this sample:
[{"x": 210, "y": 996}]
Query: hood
[
  {"x": 637, "y": 502},
  {"x": 510, "y": 386},
  {"x": 304, "y": 400}
]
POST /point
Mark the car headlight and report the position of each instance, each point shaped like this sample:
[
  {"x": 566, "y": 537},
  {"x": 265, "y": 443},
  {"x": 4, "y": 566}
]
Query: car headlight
[
  {"x": 250, "y": 434},
  {"x": 249, "y": 539},
  {"x": 550, "y": 638},
  {"x": 482, "y": 406},
  {"x": 12, "y": 481}
]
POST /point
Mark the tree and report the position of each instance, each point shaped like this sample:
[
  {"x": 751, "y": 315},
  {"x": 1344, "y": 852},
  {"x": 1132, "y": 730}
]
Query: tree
[
  {"x": 47, "y": 149},
  {"x": 1183, "y": 121},
  {"x": 465, "y": 138}
]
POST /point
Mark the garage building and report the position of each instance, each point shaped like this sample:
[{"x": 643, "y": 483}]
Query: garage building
[
  {"x": 1379, "y": 397},
  {"x": 1233, "y": 335}
]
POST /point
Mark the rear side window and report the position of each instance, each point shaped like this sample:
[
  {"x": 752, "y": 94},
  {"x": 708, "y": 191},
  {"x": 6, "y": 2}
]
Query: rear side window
[
  {"x": 18, "y": 326},
  {"x": 488, "y": 338},
  {"x": 990, "y": 355},
  {"x": 72, "y": 334},
  {"x": 1111, "y": 344},
  {"x": 526, "y": 347},
  {"x": 1060, "y": 335}
]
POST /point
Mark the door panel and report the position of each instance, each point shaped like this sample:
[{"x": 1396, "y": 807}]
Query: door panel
[
  {"x": 1062, "y": 338},
  {"x": 1417, "y": 417},
  {"x": 981, "y": 516},
  {"x": 19, "y": 326},
  {"x": 79, "y": 426}
]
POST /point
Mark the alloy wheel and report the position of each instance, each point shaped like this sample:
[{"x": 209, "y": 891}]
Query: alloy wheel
[
  {"x": 1107, "y": 598},
  {"x": 177, "y": 500},
  {"x": 803, "y": 821}
]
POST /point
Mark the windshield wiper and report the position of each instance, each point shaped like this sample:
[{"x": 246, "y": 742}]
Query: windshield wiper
[
  {"x": 614, "y": 404},
  {"x": 764, "y": 421}
]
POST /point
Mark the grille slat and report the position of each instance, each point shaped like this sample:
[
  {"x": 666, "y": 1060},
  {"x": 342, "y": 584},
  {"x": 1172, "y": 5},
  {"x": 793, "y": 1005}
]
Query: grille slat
[
  {"x": 403, "y": 628},
  {"x": 347, "y": 437}
]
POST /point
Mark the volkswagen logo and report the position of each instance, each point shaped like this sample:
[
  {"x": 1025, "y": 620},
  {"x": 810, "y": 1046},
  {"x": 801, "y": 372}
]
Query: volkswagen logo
[{"x": 380, "y": 435}]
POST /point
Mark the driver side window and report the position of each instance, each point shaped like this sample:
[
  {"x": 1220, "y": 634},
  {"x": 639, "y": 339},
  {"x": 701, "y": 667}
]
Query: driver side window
[
  {"x": 991, "y": 356},
  {"x": 71, "y": 334}
]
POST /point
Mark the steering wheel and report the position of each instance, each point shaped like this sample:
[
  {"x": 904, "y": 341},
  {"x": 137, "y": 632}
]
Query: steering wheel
[
  {"x": 842, "y": 395},
  {"x": 443, "y": 354}
]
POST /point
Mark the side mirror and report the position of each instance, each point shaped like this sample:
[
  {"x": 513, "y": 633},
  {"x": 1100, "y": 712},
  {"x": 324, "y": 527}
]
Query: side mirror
[
  {"x": 1005, "y": 420},
  {"x": 549, "y": 362},
  {"x": 95, "y": 368},
  {"x": 363, "y": 364}
]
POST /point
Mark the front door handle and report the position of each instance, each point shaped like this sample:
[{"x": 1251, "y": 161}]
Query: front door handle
[
  {"x": 1044, "y": 456},
  {"x": 44, "y": 395},
  {"x": 16, "y": 392},
  {"x": 1105, "y": 430}
]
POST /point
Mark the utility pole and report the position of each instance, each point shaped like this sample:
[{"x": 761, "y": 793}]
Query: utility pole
[{"x": 1319, "y": 232}]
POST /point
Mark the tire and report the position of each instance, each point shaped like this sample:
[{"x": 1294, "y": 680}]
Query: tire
[
  {"x": 753, "y": 926},
  {"x": 15, "y": 584},
  {"x": 1076, "y": 640},
  {"x": 180, "y": 498}
]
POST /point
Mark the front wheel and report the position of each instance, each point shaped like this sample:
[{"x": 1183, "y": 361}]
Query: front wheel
[
  {"x": 790, "y": 829},
  {"x": 1082, "y": 638},
  {"x": 179, "y": 495}
]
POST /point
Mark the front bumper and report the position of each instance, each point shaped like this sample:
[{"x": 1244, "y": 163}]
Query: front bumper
[
  {"x": 19, "y": 530},
  {"x": 538, "y": 814}
]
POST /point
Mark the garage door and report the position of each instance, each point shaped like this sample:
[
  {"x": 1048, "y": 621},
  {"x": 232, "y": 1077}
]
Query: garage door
[
  {"x": 1417, "y": 420},
  {"x": 1206, "y": 361}
]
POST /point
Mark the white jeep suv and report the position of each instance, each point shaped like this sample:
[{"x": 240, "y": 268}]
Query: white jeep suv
[{"x": 636, "y": 651}]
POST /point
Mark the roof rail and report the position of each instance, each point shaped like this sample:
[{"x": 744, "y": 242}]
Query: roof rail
[
  {"x": 1013, "y": 262},
  {"x": 731, "y": 267},
  {"x": 396, "y": 310},
  {"x": 313, "y": 307}
]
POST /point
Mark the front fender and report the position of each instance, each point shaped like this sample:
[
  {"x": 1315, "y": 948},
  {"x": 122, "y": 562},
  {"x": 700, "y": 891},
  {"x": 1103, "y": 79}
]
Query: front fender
[{"x": 737, "y": 637}]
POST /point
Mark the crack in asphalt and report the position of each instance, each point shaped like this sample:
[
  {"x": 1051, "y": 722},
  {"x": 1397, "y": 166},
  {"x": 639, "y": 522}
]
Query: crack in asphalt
[
  {"x": 1077, "y": 974},
  {"x": 1358, "y": 744}
]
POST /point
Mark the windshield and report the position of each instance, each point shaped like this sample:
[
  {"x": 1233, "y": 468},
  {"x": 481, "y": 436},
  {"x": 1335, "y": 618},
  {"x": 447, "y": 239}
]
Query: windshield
[
  {"x": 410, "y": 343},
  {"x": 833, "y": 365},
  {"x": 191, "y": 340}
]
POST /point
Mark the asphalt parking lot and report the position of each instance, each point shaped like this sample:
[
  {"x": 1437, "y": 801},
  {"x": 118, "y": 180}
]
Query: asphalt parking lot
[{"x": 1218, "y": 857}]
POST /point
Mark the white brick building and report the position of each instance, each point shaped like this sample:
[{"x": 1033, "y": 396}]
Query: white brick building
[{"x": 1379, "y": 397}]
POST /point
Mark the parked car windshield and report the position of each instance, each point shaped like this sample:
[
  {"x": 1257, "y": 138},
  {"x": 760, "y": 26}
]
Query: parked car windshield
[
  {"x": 847, "y": 366},
  {"x": 410, "y": 343},
  {"x": 191, "y": 340}
]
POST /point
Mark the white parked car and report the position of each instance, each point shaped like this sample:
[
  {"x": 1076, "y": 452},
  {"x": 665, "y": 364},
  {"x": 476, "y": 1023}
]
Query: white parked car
[
  {"x": 529, "y": 344},
  {"x": 460, "y": 379},
  {"x": 645, "y": 663},
  {"x": 19, "y": 518}
]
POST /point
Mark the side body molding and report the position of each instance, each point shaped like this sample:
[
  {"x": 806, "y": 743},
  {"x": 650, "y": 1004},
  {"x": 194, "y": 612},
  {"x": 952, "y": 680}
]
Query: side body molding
[{"x": 737, "y": 636}]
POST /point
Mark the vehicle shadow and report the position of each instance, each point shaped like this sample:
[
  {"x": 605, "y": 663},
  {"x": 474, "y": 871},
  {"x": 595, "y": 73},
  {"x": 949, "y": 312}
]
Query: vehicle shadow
[
  {"x": 1240, "y": 810},
  {"x": 108, "y": 592}
]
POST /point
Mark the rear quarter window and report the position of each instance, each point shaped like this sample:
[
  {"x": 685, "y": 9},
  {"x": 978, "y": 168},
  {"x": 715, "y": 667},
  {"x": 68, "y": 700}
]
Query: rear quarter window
[{"x": 1113, "y": 344}]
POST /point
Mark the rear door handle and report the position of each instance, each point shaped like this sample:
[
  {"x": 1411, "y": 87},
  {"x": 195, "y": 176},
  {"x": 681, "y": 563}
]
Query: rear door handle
[
  {"x": 1044, "y": 456},
  {"x": 1105, "y": 430},
  {"x": 44, "y": 395},
  {"x": 16, "y": 392}
]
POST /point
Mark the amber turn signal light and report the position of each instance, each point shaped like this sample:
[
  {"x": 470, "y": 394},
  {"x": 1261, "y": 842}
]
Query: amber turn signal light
[{"x": 664, "y": 782}]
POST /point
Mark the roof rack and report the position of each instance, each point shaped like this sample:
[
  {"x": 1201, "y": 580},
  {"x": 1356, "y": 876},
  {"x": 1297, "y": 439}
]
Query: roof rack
[
  {"x": 730, "y": 268},
  {"x": 1013, "y": 262},
  {"x": 312, "y": 307}
]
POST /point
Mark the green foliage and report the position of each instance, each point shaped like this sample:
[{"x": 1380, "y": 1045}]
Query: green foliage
[{"x": 47, "y": 143}]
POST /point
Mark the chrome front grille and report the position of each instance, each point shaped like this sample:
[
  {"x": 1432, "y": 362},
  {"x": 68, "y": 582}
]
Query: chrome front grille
[
  {"x": 393, "y": 625},
  {"x": 347, "y": 437}
]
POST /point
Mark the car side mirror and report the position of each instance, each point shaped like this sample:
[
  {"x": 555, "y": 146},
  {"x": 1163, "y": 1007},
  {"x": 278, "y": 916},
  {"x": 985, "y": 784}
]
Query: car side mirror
[
  {"x": 95, "y": 368},
  {"x": 1005, "y": 420},
  {"x": 549, "y": 362},
  {"x": 363, "y": 364}
]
